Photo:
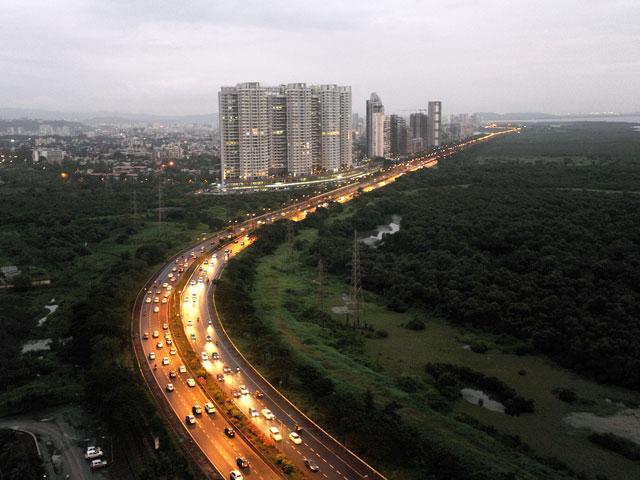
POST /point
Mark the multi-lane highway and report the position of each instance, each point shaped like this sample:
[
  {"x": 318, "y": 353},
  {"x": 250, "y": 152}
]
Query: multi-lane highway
[{"x": 205, "y": 440}]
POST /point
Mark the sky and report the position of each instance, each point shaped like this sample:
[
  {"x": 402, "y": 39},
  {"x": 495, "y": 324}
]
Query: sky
[{"x": 171, "y": 57}]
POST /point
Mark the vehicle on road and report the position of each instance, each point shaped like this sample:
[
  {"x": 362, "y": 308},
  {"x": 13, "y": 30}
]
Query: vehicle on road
[
  {"x": 295, "y": 438},
  {"x": 156, "y": 300},
  {"x": 311, "y": 465},
  {"x": 93, "y": 452},
  {"x": 145, "y": 335},
  {"x": 148, "y": 300},
  {"x": 275, "y": 434},
  {"x": 253, "y": 412},
  {"x": 226, "y": 369},
  {"x": 229, "y": 432},
  {"x": 152, "y": 355},
  {"x": 98, "y": 463},
  {"x": 266, "y": 413},
  {"x": 235, "y": 475},
  {"x": 196, "y": 409},
  {"x": 259, "y": 394},
  {"x": 164, "y": 300},
  {"x": 173, "y": 374},
  {"x": 165, "y": 326},
  {"x": 156, "y": 309},
  {"x": 209, "y": 408},
  {"x": 204, "y": 356},
  {"x": 193, "y": 337},
  {"x": 173, "y": 351},
  {"x": 165, "y": 361},
  {"x": 191, "y": 382},
  {"x": 215, "y": 356},
  {"x": 209, "y": 339},
  {"x": 242, "y": 462},
  {"x": 244, "y": 390},
  {"x": 190, "y": 420},
  {"x": 170, "y": 387},
  {"x": 182, "y": 369},
  {"x": 159, "y": 345},
  {"x": 220, "y": 377},
  {"x": 236, "y": 393},
  {"x": 156, "y": 334}
]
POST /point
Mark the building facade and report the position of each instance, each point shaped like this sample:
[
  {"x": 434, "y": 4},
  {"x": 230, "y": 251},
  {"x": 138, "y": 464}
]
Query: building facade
[
  {"x": 294, "y": 129},
  {"x": 434, "y": 124},
  {"x": 375, "y": 126}
]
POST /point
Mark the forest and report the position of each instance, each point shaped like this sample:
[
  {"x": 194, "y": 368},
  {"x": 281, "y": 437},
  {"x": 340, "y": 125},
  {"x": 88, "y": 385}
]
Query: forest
[{"x": 546, "y": 252}]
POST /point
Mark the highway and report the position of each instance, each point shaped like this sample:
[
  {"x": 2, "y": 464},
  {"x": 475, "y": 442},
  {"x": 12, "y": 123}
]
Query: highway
[{"x": 212, "y": 450}]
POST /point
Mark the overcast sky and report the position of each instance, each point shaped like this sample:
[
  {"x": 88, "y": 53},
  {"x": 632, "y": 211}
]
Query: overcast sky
[{"x": 171, "y": 57}]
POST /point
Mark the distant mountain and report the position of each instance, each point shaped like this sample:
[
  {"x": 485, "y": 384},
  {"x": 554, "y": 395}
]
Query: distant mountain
[{"x": 101, "y": 118}]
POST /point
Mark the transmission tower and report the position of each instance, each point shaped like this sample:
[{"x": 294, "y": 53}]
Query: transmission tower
[
  {"x": 160, "y": 203},
  {"x": 321, "y": 287},
  {"x": 356, "y": 285}
]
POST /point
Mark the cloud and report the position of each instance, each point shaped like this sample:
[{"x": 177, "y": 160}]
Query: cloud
[{"x": 161, "y": 56}]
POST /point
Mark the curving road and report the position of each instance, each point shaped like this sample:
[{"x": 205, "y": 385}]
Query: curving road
[{"x": 205, "y": 442}]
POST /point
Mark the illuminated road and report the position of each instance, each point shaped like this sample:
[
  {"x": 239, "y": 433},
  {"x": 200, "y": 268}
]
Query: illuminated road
[{"x": 205, "y": 441}]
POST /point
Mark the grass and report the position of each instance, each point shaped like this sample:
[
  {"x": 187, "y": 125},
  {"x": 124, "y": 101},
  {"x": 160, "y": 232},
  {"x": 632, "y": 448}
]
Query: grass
[{"x": 381, "y": 362}]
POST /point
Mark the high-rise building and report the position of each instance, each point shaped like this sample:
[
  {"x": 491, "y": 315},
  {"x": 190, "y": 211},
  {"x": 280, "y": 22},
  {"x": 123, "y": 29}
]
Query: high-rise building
[
  {"x": 435, "y": 124},
  {"x": 398, "y": 135},
  {"x": 418, "y": 123},
  {"x": 375, "y": 127},
  {"x": 292, "y": 129}
]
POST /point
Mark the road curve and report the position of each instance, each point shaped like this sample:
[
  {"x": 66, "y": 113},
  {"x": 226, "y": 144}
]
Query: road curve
[{"x": 205, "y": 443}]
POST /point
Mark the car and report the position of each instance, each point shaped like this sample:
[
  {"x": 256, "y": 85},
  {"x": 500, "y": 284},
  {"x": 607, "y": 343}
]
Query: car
[
  {"x": 191, "y": 382},
  {"x": 156, "y": 334},
  {"x": 186, "y": 299},
  {"x": 193, "y": 337},
  {"x": 182, "y": 369},
  {"x": 170, "y": 387},
  {"x": 156, "y": 309},
  {"x": 244, "y": 390},
  {"x": 236, "y": 393},
  {"x": 259, "y": 394},
  {"x": 190, "y": 420},
  {"x": 275, "y": 434},
  {"x": 196, "y": 409},
  {"x": 204, "y": 356},
  {"x": 214, "y": 256},
  {"x": 165, "y": 285},
  {"x": 209, "y": 408},
  {"x": 206, "y": 262},
  {"x": 209, "y": 338},
  {"x": 226, "y": 369},
  {"x": 174, "y": 269},
  {"x": 98, "y": 463},
  {"x": 173, "y": 351},
  {"x": 156, "y": 300},
  {"x": 215, "y": 356},
  {"x": 145, "y": 335},
  {"x": 165, "y": 361},
  {"x": 268, "y": 414},
  {"x": 169, "y": 287},
  {"x": 235, "y": 475},
  {"x": 229, "y": 432},
  {"x": 148, "y": 300},
  {"x": 200, "y": 280},
  {"x": 210, "y": 322},
  {"x": 189, "y": 322},
  {"x": 93, "y": 452},
  {"x": 311, "y": 465},
  {"x": 169, "y": 341},
  {"x": 164, "y": 300},
  {"x": 173, "y": 374},
  {"x": 219, "y": 376},
  {"x": 158, "y": 291},
  {"x": 242, "y": 462},
  {"x": 253, "y": 412},
  {"x": 193, "y": 282},
  {"x": 295, "y": 438},
  {"x": 159, "y": 345},
  {"x": 152, "y": 355}
]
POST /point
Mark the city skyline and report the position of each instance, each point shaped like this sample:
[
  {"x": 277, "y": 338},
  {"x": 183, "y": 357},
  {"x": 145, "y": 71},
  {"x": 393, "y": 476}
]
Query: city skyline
[{"x": 156, "y": 59}]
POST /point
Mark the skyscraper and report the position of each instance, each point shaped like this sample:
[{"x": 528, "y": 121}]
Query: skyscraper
[
  {"x": 375, "y": 127},
  {"x": 398, "y": 135},
  {"x": 289, "y": 129},
  {"x": 434, "y": 123},
  {"x": 418, "y": 123}
]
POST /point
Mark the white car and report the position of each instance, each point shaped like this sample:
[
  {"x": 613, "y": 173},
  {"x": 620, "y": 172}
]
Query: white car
[
  {"x": 191, "y": 382},
  {"x": 168, "y": 288},
  {"x": 182, "y": 369},
  {"x": 295, "y": 438},
  {"x": 193, "y": 282},
  {"x": 169, "y": 387},
  {"x": 159, "y": 345},
  {"x": 235, "y": 475},
  {"x": 200, "y": 280},
  {"x": 173, "y": 351},
  {"x": 98, "y": 463},
  {"x": 275, "y": 434},
  {"x": 156, "y": 334},
  {"x": 165, "y": 326},
  {"x": 205, "y": 357},
  {"x": 190, "y": 420},
  {"x": 165, "y": 361},
  {"x": 156, "y": 309},
  {"x": 164, "y": 300},
  {"x": 193, "y": 336},
  {"x": 244, "y": 390},
  {"x": 152, "y": 355},
  {"x": 209, "y": 408},
  {"x": 148, "y": 300},
  {"x": 165, "y": 285},
  {"x": 253, "y": 412},
  {"x": 186, "y": 299},
  {"x": 266, "y": 413},
  {"x": 156, "y": 300},
  {"x": 189, "y": 323},
  {"x": 93, "y": 452}
]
